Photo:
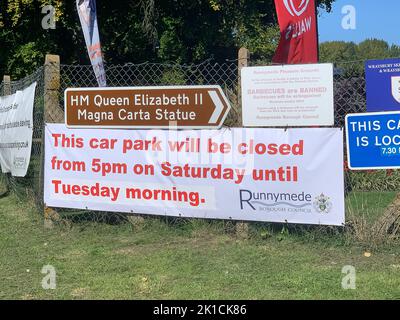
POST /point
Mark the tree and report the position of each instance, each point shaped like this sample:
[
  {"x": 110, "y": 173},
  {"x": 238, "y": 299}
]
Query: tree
[
  {"x": 340, "y": 51},
  {"x": 183, "y": 31},
  {"x": 375, "y": 49},
  {"x": 337, "y": 51},
  {"x": 349, "y": 57}
]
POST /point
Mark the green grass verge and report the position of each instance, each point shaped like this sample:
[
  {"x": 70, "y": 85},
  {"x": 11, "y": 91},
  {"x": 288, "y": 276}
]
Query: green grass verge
[
  {"x": 368, "y": 204},
  {"x": 195, "y": 260}
]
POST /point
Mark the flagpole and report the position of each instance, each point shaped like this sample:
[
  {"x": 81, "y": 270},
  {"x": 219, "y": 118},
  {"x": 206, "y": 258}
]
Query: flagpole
[{"x": 316, "y": 25}]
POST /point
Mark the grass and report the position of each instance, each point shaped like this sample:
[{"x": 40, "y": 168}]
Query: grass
[
  {"x": 191, "y": 260},
  {"x": 368, "y": 204}
]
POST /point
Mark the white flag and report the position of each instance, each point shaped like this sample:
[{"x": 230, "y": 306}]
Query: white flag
[{"x": 88, "y": 17}]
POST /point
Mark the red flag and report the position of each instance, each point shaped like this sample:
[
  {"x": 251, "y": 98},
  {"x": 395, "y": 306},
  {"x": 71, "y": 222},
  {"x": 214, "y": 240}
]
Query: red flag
[{"x": 299, "y": 38}]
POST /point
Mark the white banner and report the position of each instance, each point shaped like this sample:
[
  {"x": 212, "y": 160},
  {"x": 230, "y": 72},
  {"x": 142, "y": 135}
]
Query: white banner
[
  {"x": 242, "y": 174},
  {"x": 16, "y": 128},
  {"x": 288, "y": 95}
]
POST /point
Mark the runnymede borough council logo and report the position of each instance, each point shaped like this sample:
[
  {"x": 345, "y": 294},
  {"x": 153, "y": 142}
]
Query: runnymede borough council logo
[{"x": 322, "y": 204}]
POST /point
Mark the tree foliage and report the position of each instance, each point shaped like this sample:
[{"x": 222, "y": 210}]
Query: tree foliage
[
  {"x": 340, "y": 51},
  {"x": 184, "y": 31},
  {"x": 349, "y": 57}
]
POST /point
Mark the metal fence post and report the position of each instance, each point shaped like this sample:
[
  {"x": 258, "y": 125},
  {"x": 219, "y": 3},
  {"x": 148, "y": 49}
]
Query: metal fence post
[{"x": 52, "y": 114}]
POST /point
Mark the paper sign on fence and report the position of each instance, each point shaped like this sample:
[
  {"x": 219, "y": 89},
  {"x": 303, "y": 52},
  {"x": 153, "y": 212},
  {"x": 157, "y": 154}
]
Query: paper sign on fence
[
  {"x": 16, "y": 128},
  {"x": 288, "y": 95}
]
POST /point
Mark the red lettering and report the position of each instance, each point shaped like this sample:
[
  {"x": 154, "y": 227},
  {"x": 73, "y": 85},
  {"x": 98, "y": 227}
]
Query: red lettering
[{"x": 214, "y": 147}]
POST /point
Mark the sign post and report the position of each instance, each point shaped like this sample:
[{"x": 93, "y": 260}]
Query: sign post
[{"x": 191, "y": 107}]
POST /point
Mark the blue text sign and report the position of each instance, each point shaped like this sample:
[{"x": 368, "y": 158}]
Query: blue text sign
[
  {"x": 383, "y": 85},
  {"x": 373, "y": 140}
]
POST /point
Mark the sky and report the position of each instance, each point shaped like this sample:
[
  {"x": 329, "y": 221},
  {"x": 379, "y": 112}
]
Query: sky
[{"x": 374, "y": 19}]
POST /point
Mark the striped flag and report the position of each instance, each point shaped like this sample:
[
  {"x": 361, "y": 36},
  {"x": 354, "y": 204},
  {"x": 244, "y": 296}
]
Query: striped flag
[{"x": 88, "y": 17}]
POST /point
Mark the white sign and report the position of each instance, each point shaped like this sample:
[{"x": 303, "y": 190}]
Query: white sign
[
  {"x": 288, "y": 95},
  {"x": 16, "y": 128},
  {"x": 242, "y": 174}
]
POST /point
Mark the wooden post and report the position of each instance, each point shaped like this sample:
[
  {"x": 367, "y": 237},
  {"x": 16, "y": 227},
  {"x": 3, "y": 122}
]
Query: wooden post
[
  {"x": 6, "y": 85},
  {"x": 242, "y": 228},
  {"x": 52, "y": 113},
  {"x": 243, "y": 60}
]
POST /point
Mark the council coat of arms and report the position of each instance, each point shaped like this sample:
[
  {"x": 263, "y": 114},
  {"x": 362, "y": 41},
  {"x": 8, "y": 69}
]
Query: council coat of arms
[
  {"x": 396, "y": 88},
  {"x": 322, "y": 204}
]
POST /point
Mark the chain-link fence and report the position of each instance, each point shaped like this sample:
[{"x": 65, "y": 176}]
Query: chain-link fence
[
  {"x": 349, "y": 90},
  {"x": 155, "y": 74}
]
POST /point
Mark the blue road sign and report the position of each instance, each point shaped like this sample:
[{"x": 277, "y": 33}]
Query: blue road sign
[
  {"x": 383, "y": 85},
  {"x": 373, "y": 140}
]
